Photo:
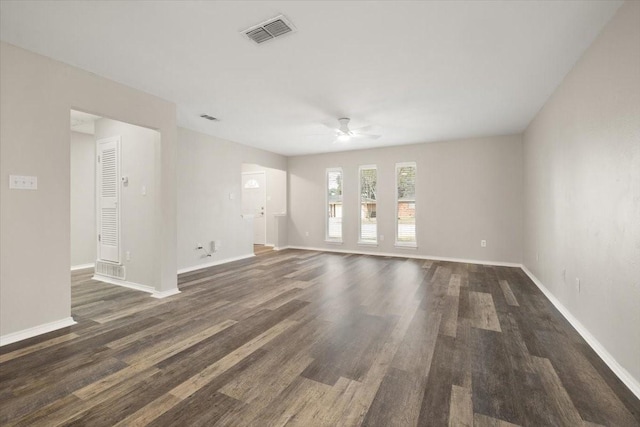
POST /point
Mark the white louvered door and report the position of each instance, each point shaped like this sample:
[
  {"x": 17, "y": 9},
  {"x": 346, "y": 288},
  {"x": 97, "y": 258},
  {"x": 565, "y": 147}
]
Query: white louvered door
[{"x": 108, "y": 192}]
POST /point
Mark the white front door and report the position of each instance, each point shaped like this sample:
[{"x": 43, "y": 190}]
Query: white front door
[
  {"x": 108, "y": 192},
  {"x": 254, "y": 203}
]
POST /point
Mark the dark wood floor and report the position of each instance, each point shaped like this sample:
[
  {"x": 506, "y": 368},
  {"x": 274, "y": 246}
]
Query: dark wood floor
[{"x": 309, "y": 338}]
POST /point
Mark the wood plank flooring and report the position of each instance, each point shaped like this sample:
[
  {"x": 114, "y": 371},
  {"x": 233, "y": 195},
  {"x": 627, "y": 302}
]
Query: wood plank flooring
[{"x": 315, "y": 339}]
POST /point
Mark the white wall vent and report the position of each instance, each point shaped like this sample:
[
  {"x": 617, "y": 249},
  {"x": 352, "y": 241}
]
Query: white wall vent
[
  {"x": 110, "y": 270},
  {"x": 270, "y": 29}
]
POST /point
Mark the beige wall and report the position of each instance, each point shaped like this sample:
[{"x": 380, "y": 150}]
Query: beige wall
[
  {"x": 467, "y": 191},
  {"x": 582, "y": 190},
  {"x": 36, "y": 94},
  {"x": 209, "y": 169},
  {"x": 83, "y": 207},
  {"x": 139, "y": 150}
]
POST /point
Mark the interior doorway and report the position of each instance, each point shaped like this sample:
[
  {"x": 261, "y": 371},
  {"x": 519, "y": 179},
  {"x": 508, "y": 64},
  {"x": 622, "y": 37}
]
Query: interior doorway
[
  {"x": 266, "y": 204},
  {"x": 114, "y": 196},
  {"x": 83, "y": 191},
  {"x": 254, "y": 202}
]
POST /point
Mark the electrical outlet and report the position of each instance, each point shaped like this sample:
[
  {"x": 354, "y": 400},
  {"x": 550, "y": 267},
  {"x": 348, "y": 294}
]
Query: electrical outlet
[
  {"x": 382, "y": 237},
  {"x": 564, "y": 275},
  {"x": 127, "y": 255},
  {"x": 306, "y": 233},
  {"x": 578, "y": 284},
  {"x": 483, "y": 243},
  {"x": 216, "y": 245},
  {"x": 20, "y": 182}
]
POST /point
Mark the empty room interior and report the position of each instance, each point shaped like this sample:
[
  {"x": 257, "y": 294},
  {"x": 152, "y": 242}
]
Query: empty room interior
[{"x": 320, "y": 213}]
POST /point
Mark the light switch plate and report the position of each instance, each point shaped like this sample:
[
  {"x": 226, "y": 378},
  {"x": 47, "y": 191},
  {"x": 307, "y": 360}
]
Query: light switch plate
[{"x": 23, "y": 182}]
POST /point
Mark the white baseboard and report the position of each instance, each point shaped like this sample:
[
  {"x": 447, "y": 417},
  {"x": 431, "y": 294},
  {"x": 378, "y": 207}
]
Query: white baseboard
[
  {"x": 213, "y": 263},
  {"x": 124, "y": 283},
  {"x": 269, "y": 245},
  {"x": 280, "y": 248},
  {"x": 36, "y": 330},
  {"x": 165, "y": 294},
  {"x": 632, "y": 383},
  {"x": 82, "y": 266},
  {"x": 138, "y": 287},
  {"x": 407, "y": 255}
]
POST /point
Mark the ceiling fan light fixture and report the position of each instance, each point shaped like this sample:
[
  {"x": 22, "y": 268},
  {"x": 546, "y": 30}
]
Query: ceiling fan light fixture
[
  {"x": 344, "y": 134},
  {"x": 344, "y": 126}
]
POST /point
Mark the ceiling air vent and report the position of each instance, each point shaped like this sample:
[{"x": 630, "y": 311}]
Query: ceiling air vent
[{"x": 267, "y": 30}]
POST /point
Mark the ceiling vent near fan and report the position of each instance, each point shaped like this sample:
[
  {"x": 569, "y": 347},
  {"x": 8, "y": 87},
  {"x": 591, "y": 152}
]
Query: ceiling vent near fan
[{"x": 269, "y": 29}]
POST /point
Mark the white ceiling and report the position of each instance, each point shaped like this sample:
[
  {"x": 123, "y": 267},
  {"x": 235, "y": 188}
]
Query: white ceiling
[{"x": 418, "y": 71}]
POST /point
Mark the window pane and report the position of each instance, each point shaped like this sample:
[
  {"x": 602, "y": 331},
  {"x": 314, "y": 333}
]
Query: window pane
[
  {"x": 252, "y": 183},
  {"x": 368, "y": 205},
  {"x": 334, "y": 197},
  {"x": 406, "y": 209}
]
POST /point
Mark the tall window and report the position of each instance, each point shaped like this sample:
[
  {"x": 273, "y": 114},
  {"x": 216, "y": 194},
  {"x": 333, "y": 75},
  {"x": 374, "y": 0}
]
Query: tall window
[
  {"x": 406, "y": 204},
  {"x": 368, "y": 205},
  {"x": 334, "y": 204}
]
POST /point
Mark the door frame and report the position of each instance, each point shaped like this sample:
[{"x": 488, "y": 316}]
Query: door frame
[{"x": 266, "y": 214}]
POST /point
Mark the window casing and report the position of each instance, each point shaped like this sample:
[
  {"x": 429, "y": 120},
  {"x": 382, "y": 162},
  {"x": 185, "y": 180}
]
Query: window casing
[
  {"x": 368, "y": 191},
  {"x": 334, "y": 205},
  {"x": 406, "y": 204}
]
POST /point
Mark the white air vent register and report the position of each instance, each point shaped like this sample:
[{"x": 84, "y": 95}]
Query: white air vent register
[{"x": 270, "y": 29}]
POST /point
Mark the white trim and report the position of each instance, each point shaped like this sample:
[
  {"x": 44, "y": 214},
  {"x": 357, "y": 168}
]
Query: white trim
[
  {"x": 360, "y": 169},
  {"x": 624, "y": 375},
  {"x": 165, "y": 294},
  {"x": 415, "y": 202},
  {"x": 270, "y": 245},
  {"x": 124, "y": 283},
  {"x": 405, "y": 245},
  {"x": 36, "y": 330},
  {"x": 136, "y": 286},
  {"x": 82, "y": 266},
  {"x": 371, "y": 244},
  {"x": 214, "y": 263},
  {"x": 334, "y": 242},
  {"x": 405, "y": 255},
  {"x": 280, "y": 248},
  {"x": 326, "y": 204}
]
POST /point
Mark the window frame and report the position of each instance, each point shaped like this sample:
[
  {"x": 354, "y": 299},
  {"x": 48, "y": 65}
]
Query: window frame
[
  {"x": 399, "y": 244},
  {"x": 328, "y": 239},
  {"x": 360, "y": 241}
]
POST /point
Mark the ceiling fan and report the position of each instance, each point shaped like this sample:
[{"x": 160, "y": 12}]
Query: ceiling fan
[{"x": 344, "y": 134}]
